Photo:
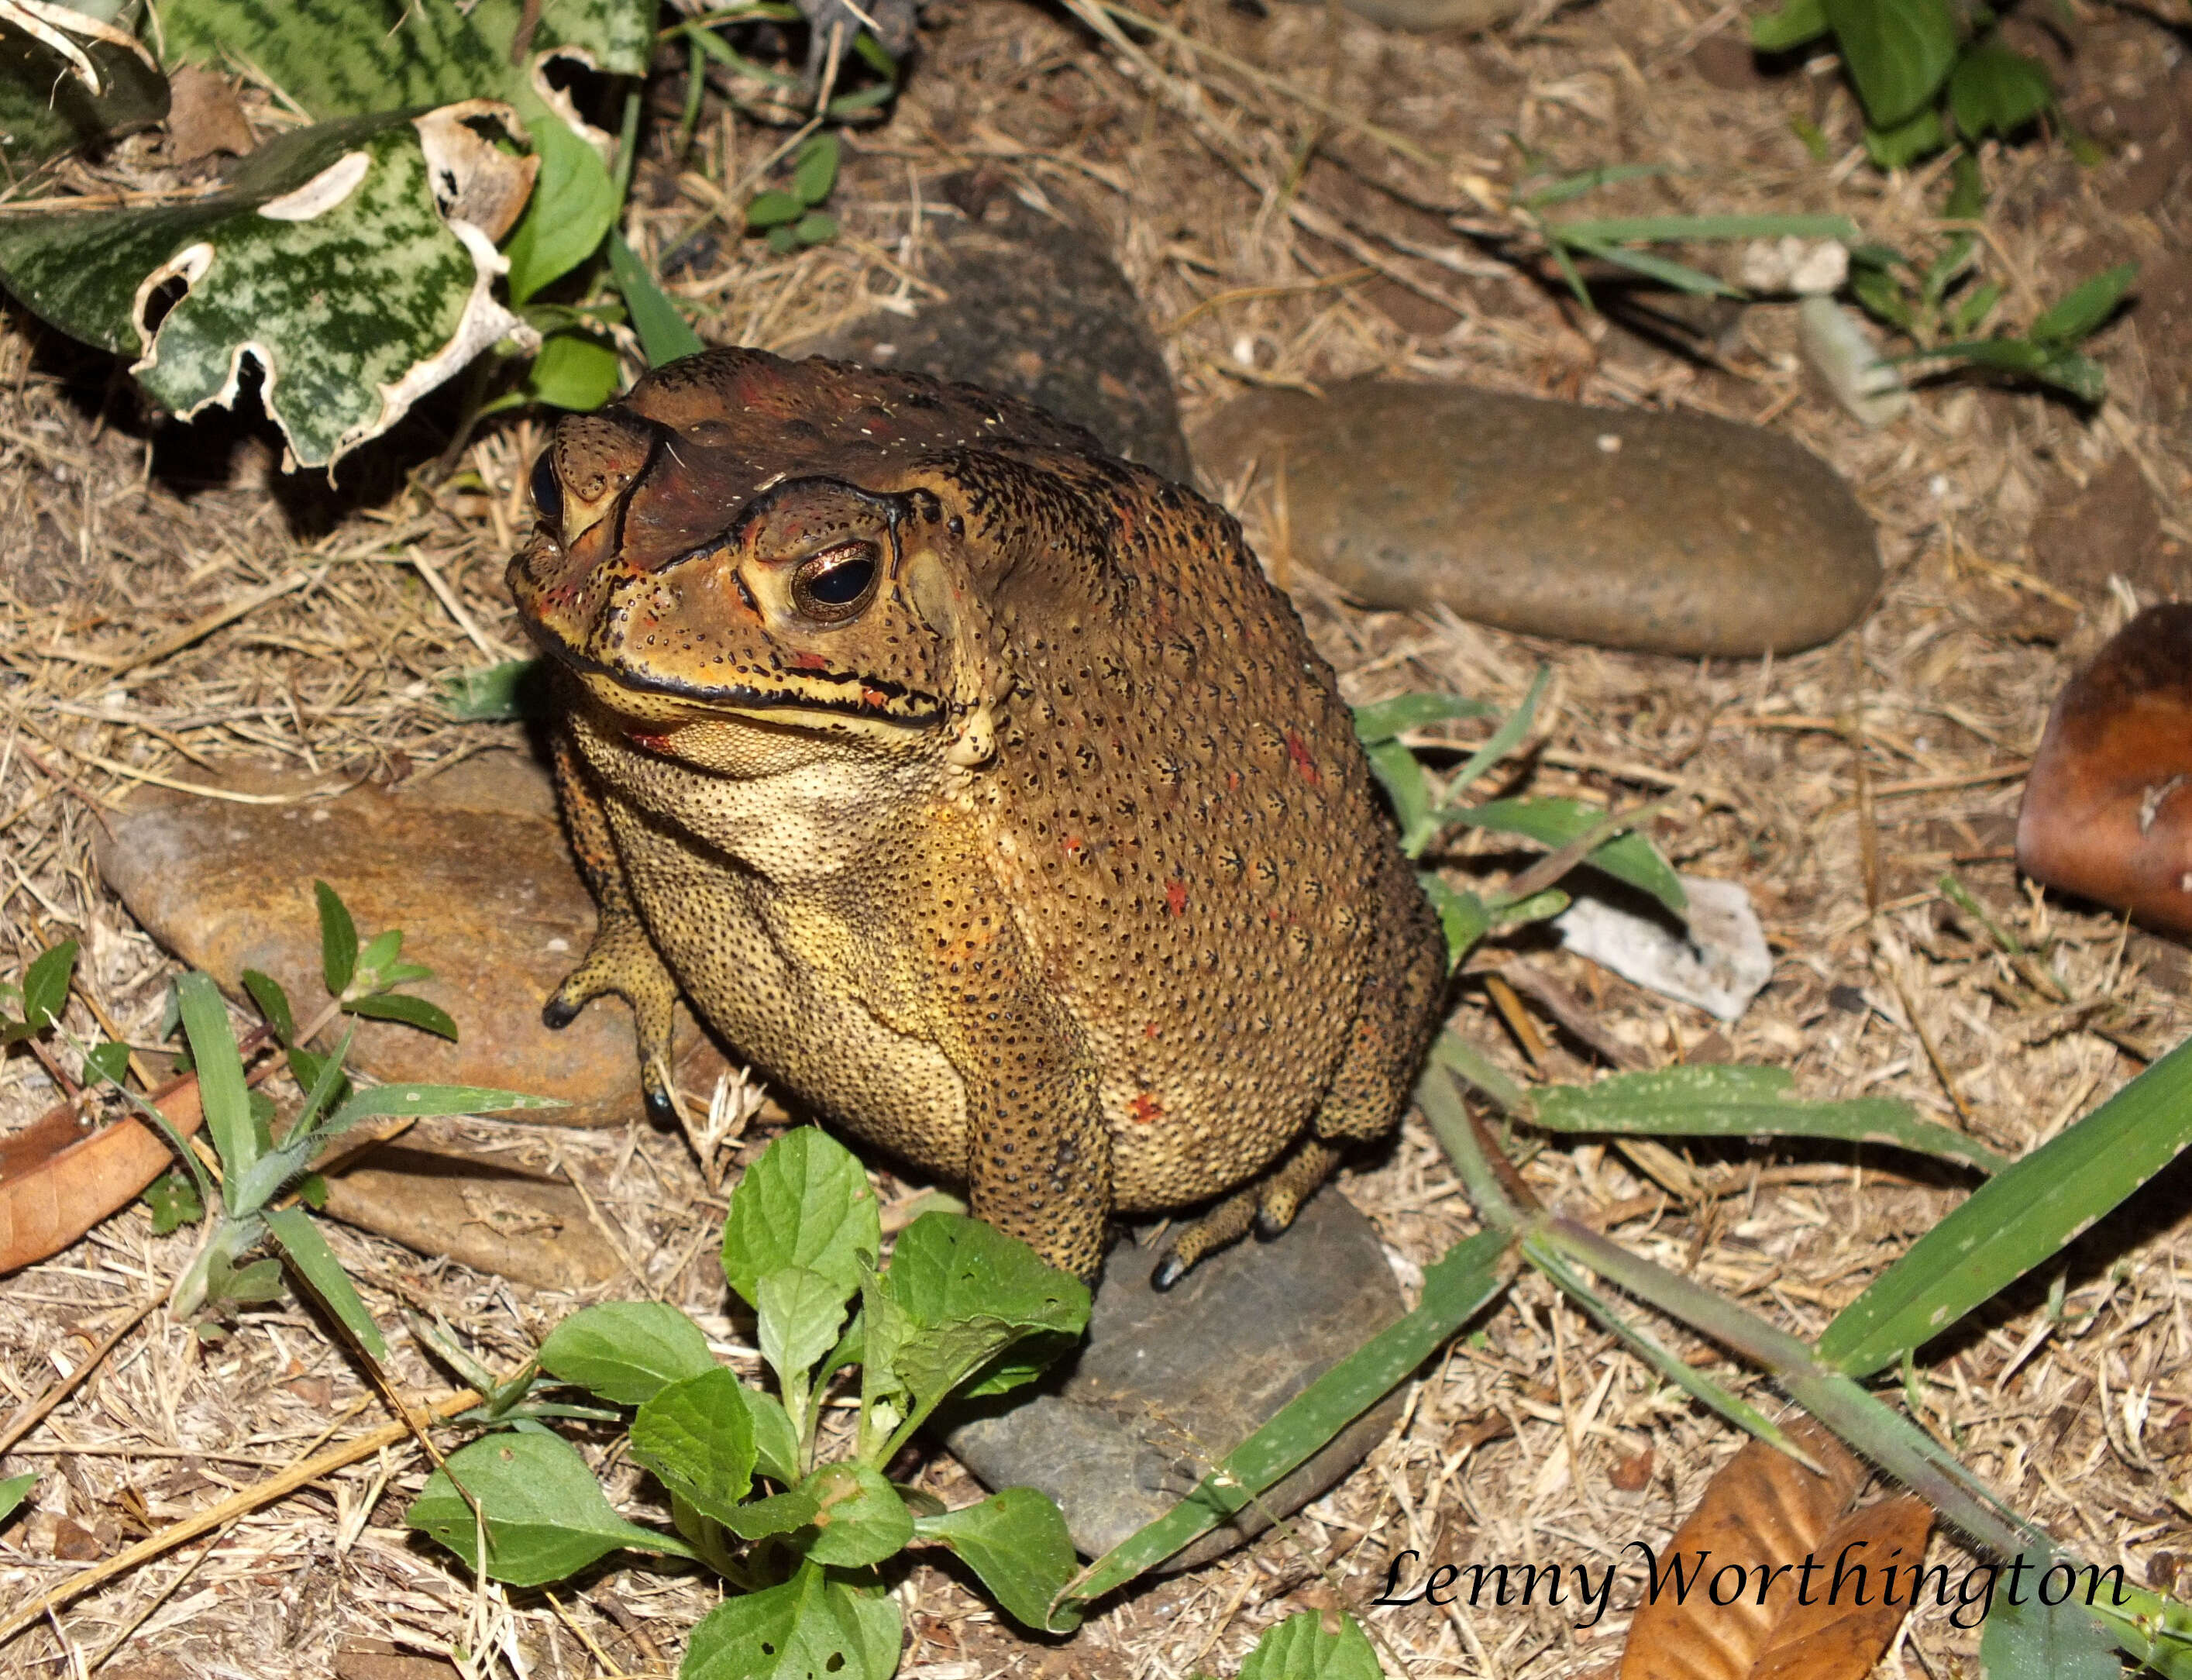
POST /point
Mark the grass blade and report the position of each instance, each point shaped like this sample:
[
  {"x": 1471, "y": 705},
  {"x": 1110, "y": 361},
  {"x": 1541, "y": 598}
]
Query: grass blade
[
  {"x": 2020, "y": 1218},
  {"x": 1731, "y": 1101},
  {"x": 664, "y": 333},
  {"x": 1454, "y": 1288},
  {"x": 323, "y": 1274},
  {"x": 220, "y": 1073}
]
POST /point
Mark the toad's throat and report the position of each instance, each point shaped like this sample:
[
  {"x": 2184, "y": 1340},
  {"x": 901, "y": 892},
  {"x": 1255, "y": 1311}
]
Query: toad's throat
[{"x": 832, "y": 692}]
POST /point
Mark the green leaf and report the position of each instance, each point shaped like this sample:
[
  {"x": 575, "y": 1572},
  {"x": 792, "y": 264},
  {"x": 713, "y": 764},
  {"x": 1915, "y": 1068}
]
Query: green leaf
[
  {"x": 815, "y": 228},
  {"x": 1967, "y": 193},
  {"x": 1707, "y": 1100},
  {"x": 783, "y": 241},
  {"x": 806, "y": 1203},
  {"x": 46, "y": 984},
  {"x": 1553, "y": 823},
  {"x": 626, "y": 1351},
  {"x": 801, "y": 1313},
  {"x": 2077, "y": 314},
  {"x": 1016, "y": 1541},
  {"x": 697, "y": 1436},
  {"x": 173, "y": 1200},
  {"x": 809, "y": 1627},
  {"x": 1996, "y": 90},
  {"x": 1462, "y": 916},
  {"x": 417, "y": 1102},
  {"x": 2022, "y": 1217},
  {"x": 2027, "y": 1639},
  {"x": 381, "y": 949},
  {"x": 13, "y": 1491},
  {"x": 404, "y": 1005},
  {"x": 774, "y": 209},
  {"x": 1313, "y": 1645},
  {"x": 220, "y": 1073},
  {"x": 45, "y": 110},
  {"x": 1455, "y": 1287},
  {"x": 273, "y": 1003},
  {"x": 1906, "y": 143},
  {"x": 576, "y": 371},
  {"x": 1622, "y": 230},
  {"x": 1382, "y": 720},
  {"x": 338, "y": 940},
  {"x": 816, "y": 170},
  {"x": 324, "y": 1276},
  {"x": 664, "y": 333},
  {"x": 1401, "y": 773},
  {"x": 1590, "y": 181},
  {"x": 494, "y": 693},
  {"x": 1679, "y": 276},
  {"x": 1881, "y": 297},
  {"x": 1972, "y": 310},
  {"x": 1795, "y": 23},
  {"x": 1897, "y": 52},
  {"x": 546, "y": 1516},
  {"x": 326, "y": 260},
  {"x": 956, "y": 1293},
  {"x": 574, "y": 204},
  {"x": 776, "y": 1443},
  {"x": 108, "y": 1061},
  {"x": 2081, "y": 375},
  {"x": 859, "y": 1517}
]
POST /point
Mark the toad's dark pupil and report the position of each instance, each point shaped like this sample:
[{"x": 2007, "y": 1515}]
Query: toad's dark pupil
[
  {"x": 844, "y": 583},
  {"x": 547, "y": 488}
]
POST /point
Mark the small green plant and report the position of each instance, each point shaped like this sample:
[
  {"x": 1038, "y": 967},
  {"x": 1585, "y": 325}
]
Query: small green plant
[
  {"x": 37, "y": 1002},
  {"x": 794, "y": 219},
  {"x": 1937, "y": 301},
  {"x": 258, "y": 1167},
  {"x": 1427, "y": 807},
  {"x": 960, "y": 1309},
  {"x": 1924, "y": 75}
]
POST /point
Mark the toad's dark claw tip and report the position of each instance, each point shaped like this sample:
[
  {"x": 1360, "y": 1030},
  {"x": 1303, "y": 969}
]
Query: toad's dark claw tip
[
  {"x": 660, "y": 1110},
  {"x": 557, "y": 1014},
  {"x": 1170, "y": 1269}
]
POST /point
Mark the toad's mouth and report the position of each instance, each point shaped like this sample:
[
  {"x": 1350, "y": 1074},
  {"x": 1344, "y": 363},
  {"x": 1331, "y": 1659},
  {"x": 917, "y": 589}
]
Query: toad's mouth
[{"x": 830, "y": 698}]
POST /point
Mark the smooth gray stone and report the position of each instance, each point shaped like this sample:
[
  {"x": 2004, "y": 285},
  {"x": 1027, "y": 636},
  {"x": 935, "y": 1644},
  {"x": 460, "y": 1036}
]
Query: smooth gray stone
[
  {"x": 1165, "y": 1383},
  {"x": 1036, "y": 309},
  {"x": 1671, "y": 534}
]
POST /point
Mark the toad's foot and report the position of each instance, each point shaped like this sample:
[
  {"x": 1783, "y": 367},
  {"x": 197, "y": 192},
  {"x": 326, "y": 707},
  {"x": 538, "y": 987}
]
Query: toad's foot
[
  {"x": 1271, "y": 1201},
  {"x": 623, "y": 960}
]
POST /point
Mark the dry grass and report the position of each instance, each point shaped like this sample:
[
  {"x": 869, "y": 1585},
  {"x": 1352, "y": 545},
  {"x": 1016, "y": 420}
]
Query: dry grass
[{"x": 1838, "y": 786}]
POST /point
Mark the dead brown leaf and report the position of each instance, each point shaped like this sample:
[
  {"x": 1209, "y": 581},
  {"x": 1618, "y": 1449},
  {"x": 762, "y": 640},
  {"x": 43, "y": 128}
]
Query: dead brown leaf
[{"x": 1745, "y": 1549}]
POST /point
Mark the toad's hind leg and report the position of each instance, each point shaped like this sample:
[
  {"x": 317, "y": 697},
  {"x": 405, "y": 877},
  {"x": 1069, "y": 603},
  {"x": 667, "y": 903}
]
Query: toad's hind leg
[
  {"x": 1270, "y": 1201},
  {"x": 1397, "y": 1012},
  {"x": 622, "y": 959}
]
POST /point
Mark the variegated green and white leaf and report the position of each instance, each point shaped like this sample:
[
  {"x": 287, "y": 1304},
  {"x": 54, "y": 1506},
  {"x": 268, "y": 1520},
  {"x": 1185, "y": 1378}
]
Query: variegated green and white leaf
[
  {"x": 48, "y": 107},
  {"x": 328, "y": 262}
]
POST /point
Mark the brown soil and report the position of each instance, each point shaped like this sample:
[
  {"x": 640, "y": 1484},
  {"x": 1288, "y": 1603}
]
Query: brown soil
[{"x": 1839, "y": 787}]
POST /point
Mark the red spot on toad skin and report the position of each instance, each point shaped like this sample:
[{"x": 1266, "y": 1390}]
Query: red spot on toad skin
[
  {"x": 1297, "y": 750},
  {"x": 809, "y": 662},
  {"x": 1070, "y": 845},
  {"x": 1144, "y": 1109},
  {"x": 660, "y": 744},
  {"x": 1150, "y": 1031},
  {"x": 1176, "y": 897},
  {"x": 874, "y": 698}
]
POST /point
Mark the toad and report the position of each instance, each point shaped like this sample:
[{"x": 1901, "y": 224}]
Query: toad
[{"x": 977, "y": 787}]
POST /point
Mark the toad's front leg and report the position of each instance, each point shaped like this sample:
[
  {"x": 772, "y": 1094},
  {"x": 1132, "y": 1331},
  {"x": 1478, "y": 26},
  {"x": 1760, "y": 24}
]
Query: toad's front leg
[
  {"x": 1038, "y": 1153},
  {"x": 622, "y": 959}
]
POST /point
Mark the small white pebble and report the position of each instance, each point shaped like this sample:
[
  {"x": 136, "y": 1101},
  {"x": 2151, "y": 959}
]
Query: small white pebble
[
  {"x": 1244, "y": 351},
  {"x": 323, "y": 814},
  {"x": 1938, "y": 484},
  {"x": 1609, "y": 443},
  {"x": 559, "y": 943}
]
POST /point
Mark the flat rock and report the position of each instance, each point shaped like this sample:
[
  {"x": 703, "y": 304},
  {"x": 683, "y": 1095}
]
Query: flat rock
[
  {"x": 1035, "y": 308},
  {"x": 1165, "y": 1384},
  {"x": 471, "y": 864},
  {"x": 1673, "y": 534},
  {"x": 2112, "y": 528},
  {"x": 482, "y": 1214}
]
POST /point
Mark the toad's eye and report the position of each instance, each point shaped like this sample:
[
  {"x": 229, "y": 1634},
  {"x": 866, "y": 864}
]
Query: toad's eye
[
  {"x": 836, "y": 583},
  {"x": 547, "y": 488}
]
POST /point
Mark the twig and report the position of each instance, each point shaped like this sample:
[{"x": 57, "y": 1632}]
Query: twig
[
  {"x": 29, "y": 1415},
  {"x": 299, "y": 1475}
]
